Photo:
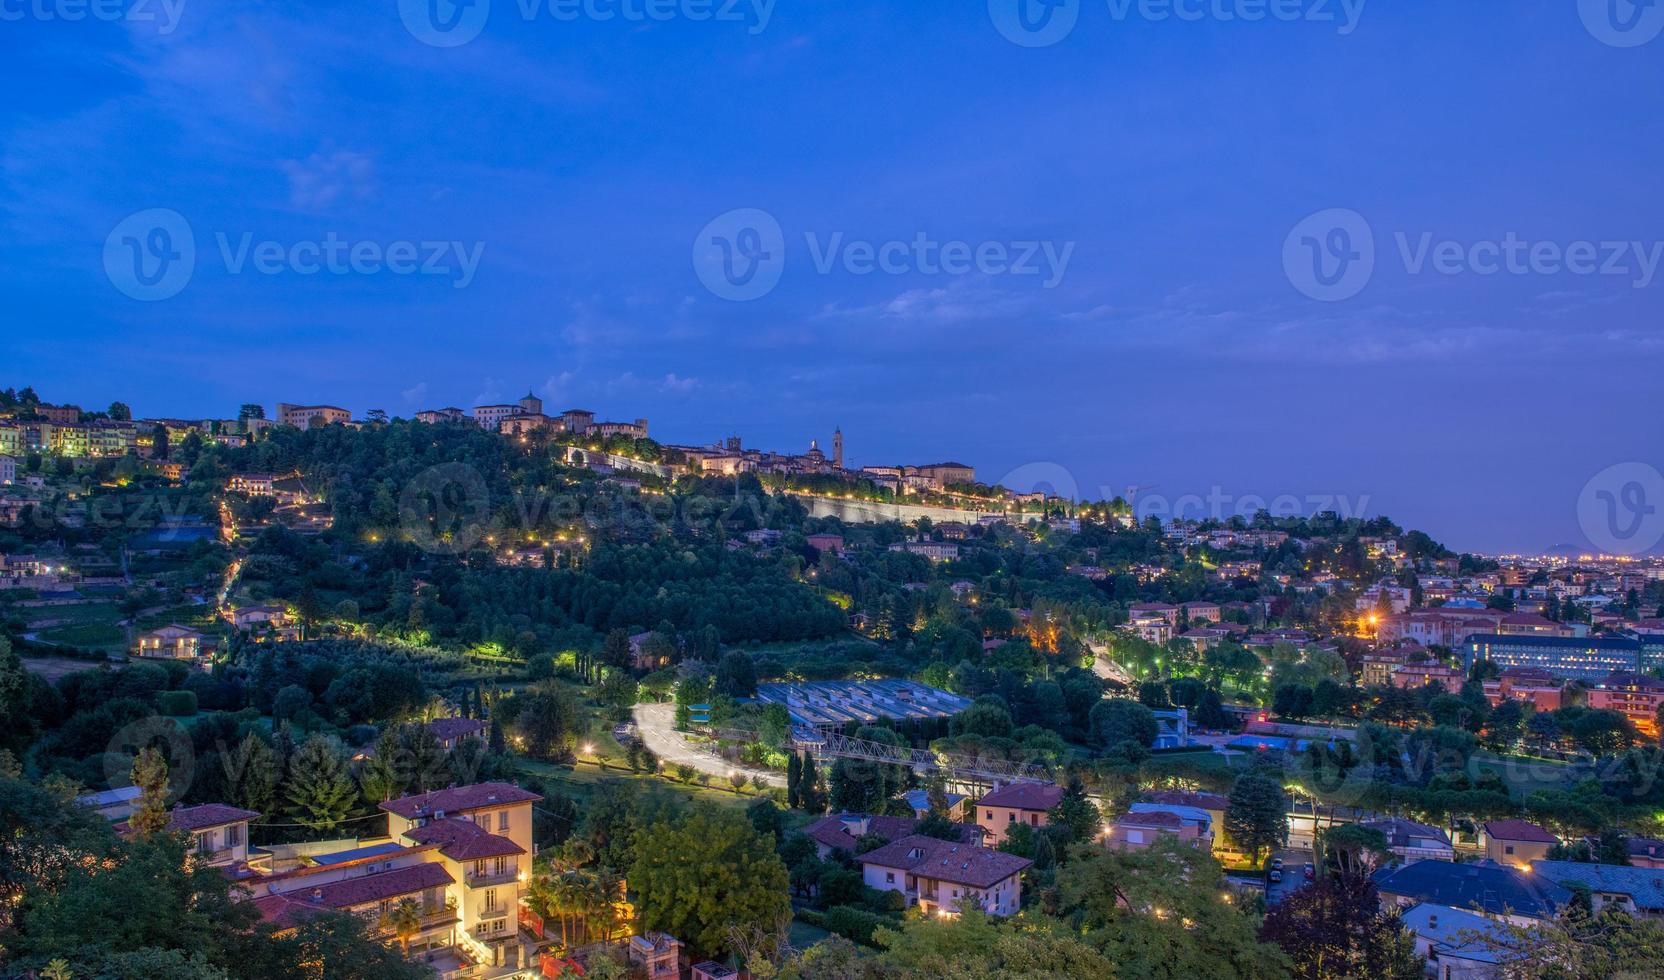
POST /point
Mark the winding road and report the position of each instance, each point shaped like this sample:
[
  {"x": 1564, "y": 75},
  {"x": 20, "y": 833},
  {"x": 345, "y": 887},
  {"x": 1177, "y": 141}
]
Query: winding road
[{"x": 657, "y": 725}]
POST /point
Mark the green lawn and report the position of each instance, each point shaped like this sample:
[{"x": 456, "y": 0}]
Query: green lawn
[
  {"x": 188, "y": 614},
  {"x": 86, "y": 635},
  {"x": 1525, "y": 776},
  {"x": 80, "y": 614},
  {"x": 803, "y": 935},
  {"x": 581, "y": 781}
]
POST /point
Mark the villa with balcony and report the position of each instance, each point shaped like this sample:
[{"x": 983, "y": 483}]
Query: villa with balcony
[
  {"x": 944, "y": 877},
  {"x": 172, "y": 642},
  {"x": 219, "y": 834}
]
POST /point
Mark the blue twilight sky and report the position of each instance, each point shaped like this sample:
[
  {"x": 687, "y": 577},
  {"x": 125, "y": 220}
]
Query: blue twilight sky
[{"x": 1170, "y": 160}]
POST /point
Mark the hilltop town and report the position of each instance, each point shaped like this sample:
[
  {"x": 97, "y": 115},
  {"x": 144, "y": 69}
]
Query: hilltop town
[{"x": 506, "y": 693}]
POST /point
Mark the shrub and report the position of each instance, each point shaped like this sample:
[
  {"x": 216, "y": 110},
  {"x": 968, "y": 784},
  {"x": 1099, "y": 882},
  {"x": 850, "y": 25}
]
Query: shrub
[
  {"x": 853, "y": 923},
  {"x": 176, "y": 704}
]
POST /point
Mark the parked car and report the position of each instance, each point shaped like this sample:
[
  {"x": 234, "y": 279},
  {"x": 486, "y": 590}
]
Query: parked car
[
  {"x": 1276, "y": 876},
  {"x": 1311, "y": 871},
  {"x": 1276, "y": 864}
]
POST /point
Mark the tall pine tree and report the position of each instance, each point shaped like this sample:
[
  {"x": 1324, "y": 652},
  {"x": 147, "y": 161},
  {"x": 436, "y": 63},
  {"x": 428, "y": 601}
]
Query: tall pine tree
[
  {"x": 150, "y": 775},
  {"x": 319, "y": 790}
]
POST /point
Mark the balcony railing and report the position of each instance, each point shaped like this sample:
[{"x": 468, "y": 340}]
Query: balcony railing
[{"x": 491, "y": 877}]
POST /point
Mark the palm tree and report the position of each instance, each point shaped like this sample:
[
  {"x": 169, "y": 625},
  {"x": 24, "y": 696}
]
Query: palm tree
[
  {"x": 404, "y": 920},
  {"x": 540, "y": 898},
  {"x": 593, "y": 899},
  {"x": 566, "y": 900},
  {"x": 57, "y": 970}
]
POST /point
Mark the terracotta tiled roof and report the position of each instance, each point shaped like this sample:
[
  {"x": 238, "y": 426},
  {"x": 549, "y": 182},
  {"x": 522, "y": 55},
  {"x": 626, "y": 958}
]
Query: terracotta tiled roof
[
  {"x": 1025, "y": 796},
  {"x": 463, "y": 840},
  {"x": 446, "y": 729},
  {"x": 1152, "y": 818},
  {"x": 832, "y": 832},
  {"x": 1399, "y": 832},
  {"x": 373, "y": 888},
  {"x": 187, "y": 819},
  {"x": 1201, "y": 801},
  {"x": 1519, "y": 830},
  {"x": 962, "y": 864},
  {"x": 457, "y": 799}
]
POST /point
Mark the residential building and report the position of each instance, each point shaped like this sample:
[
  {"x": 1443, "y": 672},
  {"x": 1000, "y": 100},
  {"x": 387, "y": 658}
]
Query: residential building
[
  {"x": 1201, "y": 612},
  {"x": 249, "y": 617},
  {"x": 1155, "y": 629},
  {"x": 8, "y": 471},
  {"x": 833, "y": 543},
  {"x": 1637, "y": 696},
  {"x": 450, "y": 732},
  {"x": 219, "y": 833},
  {"x": 1646, "y": 852},
  {"x": 173, "y": 642},
  {"x": 1211, "y": 805},
  {"x": 1637, "y": 891},
  {"x": 60, "y": 414},
  {"x": 438, "y": 415},
  {"x": 1412, "y": 677},
  {"x": 483, "y": 834},
  {"x": 369, "y": 883},
  {"x": 1016, "y": 803},
  {"x": 1453, "y": 941},
  {"x": 310, "y": 416},
  {"x": 1534, "y": 685},
  {"x": 253, "y": 484},
  {"x": 1515, "y": 842},
  {"x": 1478, "y": 886},
  {"x": 490, "y": 417},
  {"x": 944, "y": 877},
  {"x": 934, "y": 550},
  {"x": 1163, "y": 610},
  {"x": 712, "y": 970},
  {"x": 1145, "y": 824},
  {"x": 1412, "y": 842},
  {"x": 919, "y": 801},
  {"x": 1378, "y": 666},
  {"x": 842, "y": 831}
]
